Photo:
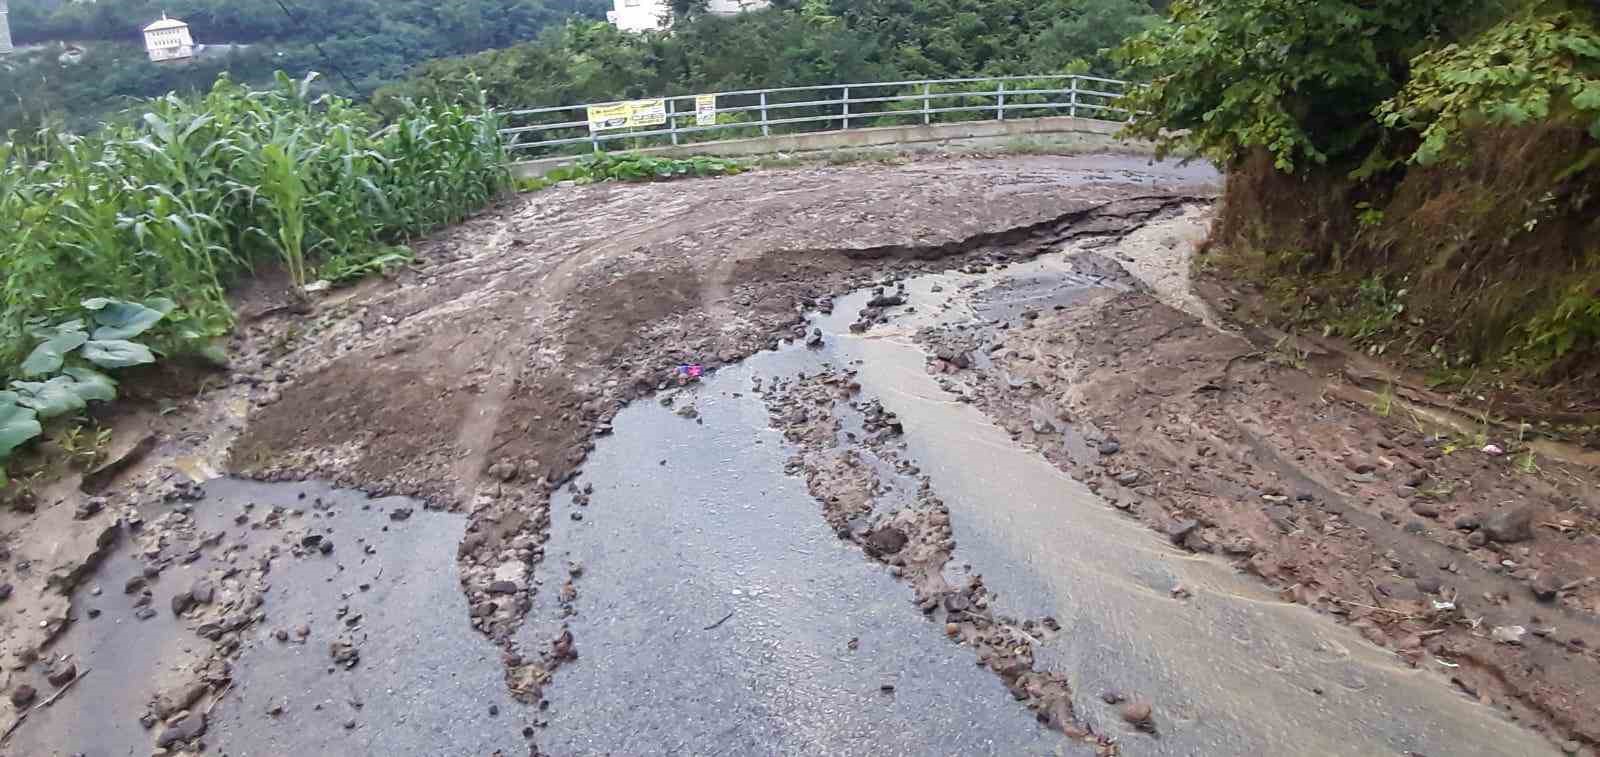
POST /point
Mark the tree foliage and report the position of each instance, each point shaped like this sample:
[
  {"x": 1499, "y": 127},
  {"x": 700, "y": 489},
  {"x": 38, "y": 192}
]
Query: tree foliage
[
  {"x": 796, "y": 43},
  {"x": 1298, "y": 79}
]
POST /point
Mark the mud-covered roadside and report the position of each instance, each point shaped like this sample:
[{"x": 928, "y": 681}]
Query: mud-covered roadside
[
  {"x": 1463, "y": 553},
  {"x": 477, "y": 380},
  {"x": 480, "y": 381}
]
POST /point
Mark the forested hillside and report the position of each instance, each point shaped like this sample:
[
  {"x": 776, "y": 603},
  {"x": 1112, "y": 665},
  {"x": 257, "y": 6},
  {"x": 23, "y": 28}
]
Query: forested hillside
[
  {"x": 795, "y": 42},
  {"x": 370, "y": 41},
  {"x": 1420, "y": 176}
]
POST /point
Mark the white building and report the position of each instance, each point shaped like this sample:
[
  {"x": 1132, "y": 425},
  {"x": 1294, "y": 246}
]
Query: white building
[
  {"x": 5, "y": 28},
  {"x": 168, "y": 39},
  {"x": 648, "y": 15}
]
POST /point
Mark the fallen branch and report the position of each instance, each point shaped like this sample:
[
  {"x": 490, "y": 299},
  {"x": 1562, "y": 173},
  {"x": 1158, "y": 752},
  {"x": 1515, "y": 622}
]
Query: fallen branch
[
  {"x": 46, "y": 703},
  {"x": 720, "y": 622},
  {"x": 218, "y": 698}
]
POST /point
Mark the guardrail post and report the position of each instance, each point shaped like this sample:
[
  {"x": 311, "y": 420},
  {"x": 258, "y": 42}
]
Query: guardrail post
[
  {"x": 1000, "y": 109},
  {"x": 846, "y": 101},
  {"x": 672, "y": 119},
  {"x": 927, "y": 115},
  {"x": 766, "y": 129}
]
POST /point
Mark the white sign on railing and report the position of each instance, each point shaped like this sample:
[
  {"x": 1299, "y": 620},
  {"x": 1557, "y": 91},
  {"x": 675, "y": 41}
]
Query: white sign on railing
[{"x": 705, "y": 110}]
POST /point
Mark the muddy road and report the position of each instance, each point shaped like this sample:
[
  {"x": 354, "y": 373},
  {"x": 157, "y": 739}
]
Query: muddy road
[{"x": 950, "y": 457}]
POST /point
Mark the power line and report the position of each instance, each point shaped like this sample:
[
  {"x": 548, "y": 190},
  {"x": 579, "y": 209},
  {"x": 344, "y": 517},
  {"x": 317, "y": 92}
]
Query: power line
[{"x": 327, "y": 59}]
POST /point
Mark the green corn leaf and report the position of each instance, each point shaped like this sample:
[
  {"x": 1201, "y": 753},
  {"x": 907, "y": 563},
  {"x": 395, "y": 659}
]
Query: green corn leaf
[
  {"x": 48, "y": 357},
  {"x": 117, "y": 353}
]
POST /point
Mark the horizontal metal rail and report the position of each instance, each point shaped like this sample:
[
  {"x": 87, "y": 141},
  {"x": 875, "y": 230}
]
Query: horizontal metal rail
[{"x": 831, "y": 106}]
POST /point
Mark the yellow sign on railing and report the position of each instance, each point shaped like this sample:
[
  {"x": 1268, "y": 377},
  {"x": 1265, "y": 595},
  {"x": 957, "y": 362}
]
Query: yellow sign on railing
[{"x": 629, "y": 114}]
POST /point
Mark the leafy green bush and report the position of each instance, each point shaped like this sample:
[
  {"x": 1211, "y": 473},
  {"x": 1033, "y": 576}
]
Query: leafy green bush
[
  {"x": 1522, "y": 70},
  {"x": 199, "y": 192},
  {"x": 602, "y": 166}
]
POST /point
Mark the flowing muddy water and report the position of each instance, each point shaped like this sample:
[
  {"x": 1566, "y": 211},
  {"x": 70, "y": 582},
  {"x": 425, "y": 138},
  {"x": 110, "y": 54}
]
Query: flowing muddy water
[{"x": 693, "y": 521}]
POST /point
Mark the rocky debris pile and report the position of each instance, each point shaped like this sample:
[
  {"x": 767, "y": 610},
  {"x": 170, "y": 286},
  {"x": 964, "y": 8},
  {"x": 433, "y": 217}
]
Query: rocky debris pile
[
  {"x": 916, "y": 540},
  {"x": 889, "y": 293}
]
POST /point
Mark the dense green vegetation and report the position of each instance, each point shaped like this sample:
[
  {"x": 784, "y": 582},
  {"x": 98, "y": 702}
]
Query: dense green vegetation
[
  {"x": 170, "y": 210},
  {"x": 1418, "y": 175},
  {"x": 794, "y": 43},
  {"x": 370, "y": 41}
]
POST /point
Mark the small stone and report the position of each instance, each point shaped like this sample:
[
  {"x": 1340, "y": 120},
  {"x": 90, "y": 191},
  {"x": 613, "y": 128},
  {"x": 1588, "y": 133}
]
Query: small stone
[
  {"x": 1137, "y": 712},
  {"x": 400, "y": 513},
  {"x": 280, "y": 635},
  {"x": 5, "y": 591},
  {"x": 1113, "y": 697},
  {"x": 61, "y": 674},
  {"x": 145, "y": 613},
  {"x": 886, "y": 688},
  {"x": 302, "y": 630},
  {"x": 325, "y": 546},
  {"x": 1110, "y": 447},
  {"x": 1128, "y": 477},
  {"x": 135, "y": 585},
  {"x": 1429, "y": 585},
  {"x": 1425, "y": 508},
  {"x": 1467, "y": 522},
  {"x": 1508, "y": 634},
  {"x": 1493, "y": 450},
  {"x": 577, "y": 515},
  {"x": 952, "y": 629},
  {"x": 1545, "y": 586},
  {"x": 350, "y": 725},
  {"x": 494, "y": 710},
  {"x": 503, "y": 587},
  {"x": 1180, "y": 529},
  {"x": 23, "y": 695},
  {"x": 181, "y": 602},
  {"x": 1570, "y": 746},
  {"x": 186, "y": 729},
  {"x": 1510, "y": 525},
  {"x": 1358, "y": 464},
  {"x": 1405, "y": 491},
  {"x": 1477, "y": 539}
]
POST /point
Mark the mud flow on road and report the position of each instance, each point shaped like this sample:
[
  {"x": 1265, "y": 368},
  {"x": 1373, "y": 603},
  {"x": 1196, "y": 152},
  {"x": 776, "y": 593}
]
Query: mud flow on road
[{"x": 941, "y": 458}]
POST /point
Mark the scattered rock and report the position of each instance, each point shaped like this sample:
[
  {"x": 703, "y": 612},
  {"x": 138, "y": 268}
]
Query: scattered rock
[
  {"x": 886, "y": 541},
  {"x": 203, "y": 591},
  {"x": 1425, "y": 508},
  {"x": 1493, "y": 450},
  {"x": 135, "y": 585},
  {"x": 1429, "y": 585},
  {"x": 503, "y": 471},
  {"x": 400, "y": 513},
  {"x": 1179, "y": 530},
  {"x": 1510, "y": 525},
  {"x": 61, "y": 674},
  {"x": 1508, "y": 634},
  {"x": 1358, "y": 464},
  {"x": 1128, "y": 477},
  {"x": 503, "y": 587},
  {"x": 1110, "y": 447},
  {"x": 1545, "y": 586},
  {"x": 181, "y": 602},
  {"x": 1136, "y": 712},
  {"x": 1467, "y": 522},
  {"x": 186, "y": 729},
  {"x": 344, "y": 654},
  {"x": 5, "y": 591},
  {"x": 89, "y": 508},
  {"x": 23, "y": 695}
]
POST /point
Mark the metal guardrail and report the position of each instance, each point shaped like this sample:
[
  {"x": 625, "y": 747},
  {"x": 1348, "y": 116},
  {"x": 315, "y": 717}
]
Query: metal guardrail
[{"x": 763, "y": 112}]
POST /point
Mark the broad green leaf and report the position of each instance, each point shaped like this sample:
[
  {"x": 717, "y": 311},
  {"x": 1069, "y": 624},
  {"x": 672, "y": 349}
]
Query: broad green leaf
[
  {"x": 93, "y": 385},
  {"x": 50, "y": 399},
  {"x": 117, "y": 353},
  {"x": 121, "y": 320},
  {"x": 17, "y": 425},
  {"x": 48, "y": 357}
]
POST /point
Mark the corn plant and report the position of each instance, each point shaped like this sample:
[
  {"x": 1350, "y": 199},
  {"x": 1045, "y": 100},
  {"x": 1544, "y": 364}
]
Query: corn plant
[{"x": 189, "y": 195}]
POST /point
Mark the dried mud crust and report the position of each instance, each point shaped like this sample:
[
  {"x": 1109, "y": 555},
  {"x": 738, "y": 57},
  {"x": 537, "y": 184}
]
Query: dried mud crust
[
  {"x": 479, "y": 380},
  {"x": 876, "y": 498},
  {"x": 1458, "y": 560}
]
